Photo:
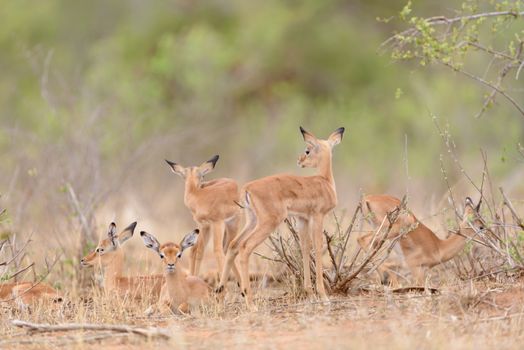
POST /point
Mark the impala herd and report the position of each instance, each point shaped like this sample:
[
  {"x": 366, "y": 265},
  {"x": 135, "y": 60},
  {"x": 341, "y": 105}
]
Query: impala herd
[{"x": 219, "y": 206}]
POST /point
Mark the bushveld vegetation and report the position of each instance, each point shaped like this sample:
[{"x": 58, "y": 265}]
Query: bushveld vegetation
[{"x": 95, "y": 95}]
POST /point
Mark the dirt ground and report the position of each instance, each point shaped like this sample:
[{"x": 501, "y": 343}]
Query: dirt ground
[{"x": 464, "y": 315}]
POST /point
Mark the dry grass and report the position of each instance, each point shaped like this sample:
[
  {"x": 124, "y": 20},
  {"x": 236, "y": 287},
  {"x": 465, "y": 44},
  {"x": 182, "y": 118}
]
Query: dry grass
[
  {"x": 469, "y": 312},
  {"x": 464, "y": 315}
]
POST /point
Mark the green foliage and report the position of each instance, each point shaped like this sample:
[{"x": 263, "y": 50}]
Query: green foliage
[
  {"x": 459, "y": 42},
  {"x": 238, "y": 73}
]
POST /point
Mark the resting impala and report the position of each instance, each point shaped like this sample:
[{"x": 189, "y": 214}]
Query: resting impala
[
  {"x": 27, "y": 293},
  {"x": 181, "y": 292},
  {"x": 420, "y": 248},
  {"x": 270, "y": 200},
  {"x": 214, "y": 209},
  {"x": 110, "y": 255}
]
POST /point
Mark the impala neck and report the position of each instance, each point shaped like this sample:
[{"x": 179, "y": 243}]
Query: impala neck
[
  {"x": 175, "y": 281},
  {"x": 192, "y": 184},
  {"x": 325, "y": 169},
  {"x": 113, "y": 269},
  {"x": 451, "y": 246}
]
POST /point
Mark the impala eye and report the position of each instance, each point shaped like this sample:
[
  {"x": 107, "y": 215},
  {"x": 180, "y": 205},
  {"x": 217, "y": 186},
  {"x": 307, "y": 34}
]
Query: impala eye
[{"x": 307, "y": 152}]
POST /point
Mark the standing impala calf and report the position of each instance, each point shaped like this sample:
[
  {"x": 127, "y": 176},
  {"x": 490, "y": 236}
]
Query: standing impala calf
[
  {"x": 214, "y": 209},
  {"x": 110, "y": 255},
  {"x": 181, "y": 292},
  {"x": 420, "y": 248},
  {"x": 270, "y": 200}
]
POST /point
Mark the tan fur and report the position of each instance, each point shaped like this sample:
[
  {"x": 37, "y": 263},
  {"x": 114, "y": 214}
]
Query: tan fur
[
  {"x": 182, "y": 292},
  {"x": 28, "y": 293},
  {"x": 421, "y": 249},
  {"x": 112, "y": 263},
  {"x": 214, "y": 209},
  {"x": 270, "y": 200}
]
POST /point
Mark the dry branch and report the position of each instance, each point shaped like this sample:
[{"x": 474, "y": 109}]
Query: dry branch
[
  {"x": 511, "y": 208},
  {"x": 391, "y": 217},
  {"x": 43, "y": 327},
  {"x": 343, "y": 269}
]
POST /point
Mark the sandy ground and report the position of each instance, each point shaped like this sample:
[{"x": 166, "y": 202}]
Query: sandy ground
[{"x": 466, "y": 315}]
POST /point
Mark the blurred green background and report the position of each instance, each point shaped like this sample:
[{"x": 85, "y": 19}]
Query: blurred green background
[{"x": 95, "y": 94}]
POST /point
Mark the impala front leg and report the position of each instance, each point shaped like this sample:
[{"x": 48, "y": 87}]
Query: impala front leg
[
  {"x": 305, "y": 246},
  {"x": 317, "y": 227},
  {"x": 197, "y": 251}
]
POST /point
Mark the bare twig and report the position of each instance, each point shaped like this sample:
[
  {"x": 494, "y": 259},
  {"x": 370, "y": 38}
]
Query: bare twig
[
  {"x": 391, "y": 217},
  {"x": 20, "y": 271},
  {"x": 18, "y": 252},
  {"x": 511, "y": 208}
]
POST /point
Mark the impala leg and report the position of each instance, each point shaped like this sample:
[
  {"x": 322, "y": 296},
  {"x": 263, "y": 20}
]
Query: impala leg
[
  {"x": 164, "y": 305},
  {"x": 418, "y": 273},
  {"x": 234, "y": 248},
  {"x": 197, "y": 252},
  {"x": 259, "y": 235},
  {"x": 231, "y": 232},
  {"x": 317, "y": 227},
  {"x": 218, "y": 241},
  {"x": 305, "y": 247},
  {"x": 384, "y": 271}
]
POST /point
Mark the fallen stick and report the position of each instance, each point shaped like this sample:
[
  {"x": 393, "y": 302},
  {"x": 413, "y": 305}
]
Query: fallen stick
[
  {"x": 42, "y": 327},
  {"x": 62, "y": 340}
]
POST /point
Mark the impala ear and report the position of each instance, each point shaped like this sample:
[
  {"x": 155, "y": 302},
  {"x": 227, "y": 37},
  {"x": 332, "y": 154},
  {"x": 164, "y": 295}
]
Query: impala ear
[
  {"x": 111, "y": 234},
  {"x": 308, "y": 137},
  {"x": 335, "y": 138},
  {"x": 208, "y": 166},
  {"x": 151, "y": 242},
  {"x": 127, "y": 233},
  {"x": 469, "y": 207},
  {"x": 177, "y": 168},
  {"x": 188, "y": 241}
]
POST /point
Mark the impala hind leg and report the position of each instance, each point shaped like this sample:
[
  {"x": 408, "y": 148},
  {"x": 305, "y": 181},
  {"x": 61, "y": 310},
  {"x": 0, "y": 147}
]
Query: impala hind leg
[
  {"x": 230, "y": 233},
  {"x": 234, "y": 248},
  {"x": 261, "y": 232},
  {"x": 197, "y": 251}
]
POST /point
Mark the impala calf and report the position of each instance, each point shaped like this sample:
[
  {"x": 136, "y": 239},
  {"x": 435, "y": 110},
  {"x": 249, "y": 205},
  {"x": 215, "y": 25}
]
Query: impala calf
[
  {"x": 181, "y": 292},
  {"x": 270, "y": 200},
  {"x": 420, "y": 248},
  {"x": 110, "y": 256},
  {"x": 28, "y": 293},
  {"x": 214, "y": 209}
]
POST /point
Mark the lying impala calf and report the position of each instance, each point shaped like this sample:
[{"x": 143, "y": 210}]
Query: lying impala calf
[
  {"x": 28, "y": 293},
  {"x": 214, "y": 209},
  {"x": 420, "y": 248},
  {"x": 110, "y": 256},
  {"x": 181, "y": 292},
  {"x": 270, "y": 200}
]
